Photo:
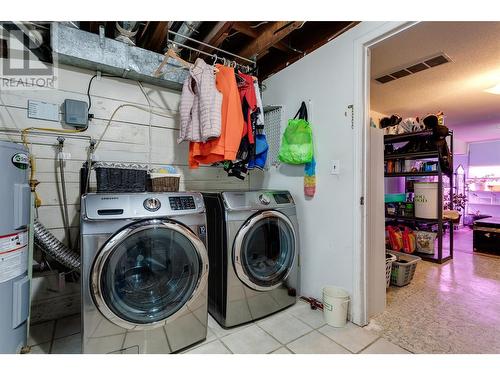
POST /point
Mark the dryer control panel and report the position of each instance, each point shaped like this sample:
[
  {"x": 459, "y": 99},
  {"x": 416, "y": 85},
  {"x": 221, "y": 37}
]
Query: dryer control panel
[{"x": 257, "y": 200}]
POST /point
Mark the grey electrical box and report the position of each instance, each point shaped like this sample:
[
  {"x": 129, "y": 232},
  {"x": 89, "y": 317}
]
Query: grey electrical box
[{"x": 76, "y": 113}]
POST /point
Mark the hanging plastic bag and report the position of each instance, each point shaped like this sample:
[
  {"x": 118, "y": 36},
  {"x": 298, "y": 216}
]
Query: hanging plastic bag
[{"x": 297, "y": 143}]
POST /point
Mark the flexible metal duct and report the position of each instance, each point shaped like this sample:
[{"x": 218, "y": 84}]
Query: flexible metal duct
[
  {"x": 55, "y": 248},
  {"x": 187, "y": 28}
]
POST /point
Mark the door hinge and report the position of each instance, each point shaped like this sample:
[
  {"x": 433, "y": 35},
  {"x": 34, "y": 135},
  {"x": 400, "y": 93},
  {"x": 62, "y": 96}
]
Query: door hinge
[
  {"x": 362, "y": 201},
  {"x": 351, "y": 107}
]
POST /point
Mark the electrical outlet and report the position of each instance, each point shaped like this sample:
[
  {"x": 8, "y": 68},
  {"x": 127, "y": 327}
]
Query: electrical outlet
[{"x": 335, "y": 167}]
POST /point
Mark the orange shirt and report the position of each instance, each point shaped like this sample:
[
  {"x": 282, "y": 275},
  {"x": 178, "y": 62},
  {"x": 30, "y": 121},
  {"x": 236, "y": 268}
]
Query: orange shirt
[{"x": 226, "y": 146}]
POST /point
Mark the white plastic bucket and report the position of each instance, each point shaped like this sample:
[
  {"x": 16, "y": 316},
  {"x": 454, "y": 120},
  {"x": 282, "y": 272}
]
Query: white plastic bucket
[
  {"x": 335, "y": 305},
  {"x": 426, "y": 200}
]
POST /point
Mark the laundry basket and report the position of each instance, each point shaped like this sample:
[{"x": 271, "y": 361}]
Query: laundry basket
[
  {"x": 120, "y": 177},
  {"x": 164, "y": 183},
  {"x": 389, "y": 258},
  {"x": 403, "y": 268}
]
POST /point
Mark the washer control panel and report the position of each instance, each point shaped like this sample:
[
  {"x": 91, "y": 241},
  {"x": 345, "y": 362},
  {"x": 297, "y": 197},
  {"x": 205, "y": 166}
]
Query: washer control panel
[
  {"x": 182, "y": 203},
  {"x": 152, "y": 204},
  {"x": 264, "y": 199}
]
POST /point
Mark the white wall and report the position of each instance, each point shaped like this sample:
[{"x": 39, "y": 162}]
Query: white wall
[
  {"x": 327, "y": 79},
  {"x": 126, "y": 139}
]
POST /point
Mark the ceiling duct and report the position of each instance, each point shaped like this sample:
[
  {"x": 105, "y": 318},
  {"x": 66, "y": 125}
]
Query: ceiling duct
[
  {"x": 418, "y": 66},
  {"x": 187, "y": 29},
  {"x": 95, "y": 52}
]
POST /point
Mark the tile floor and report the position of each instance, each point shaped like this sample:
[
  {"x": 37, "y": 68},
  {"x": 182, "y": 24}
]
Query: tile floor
[
  {"x": 449, "y": 308},
  {"x": 298, "y": 329}
]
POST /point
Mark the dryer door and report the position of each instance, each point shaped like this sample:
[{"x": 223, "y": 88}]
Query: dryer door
[
  {"x": 264, "y": 250},
  {"x": 147, "y": 272}
]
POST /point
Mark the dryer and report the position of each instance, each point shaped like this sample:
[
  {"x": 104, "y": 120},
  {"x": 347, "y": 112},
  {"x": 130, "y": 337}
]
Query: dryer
[
  {"x": 253, "y": 246},
  {"x": 144, "y": 272}
]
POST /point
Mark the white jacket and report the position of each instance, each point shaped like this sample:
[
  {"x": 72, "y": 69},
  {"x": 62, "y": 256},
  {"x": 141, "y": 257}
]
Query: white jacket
[{"x": 200, "y": 106}]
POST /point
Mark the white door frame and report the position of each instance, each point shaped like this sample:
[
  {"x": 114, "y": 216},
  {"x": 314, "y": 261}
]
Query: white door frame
[{"x": 361, "y": 114}]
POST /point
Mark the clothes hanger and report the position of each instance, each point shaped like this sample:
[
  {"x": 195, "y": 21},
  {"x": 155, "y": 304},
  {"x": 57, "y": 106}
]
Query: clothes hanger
[
  {"x": 172, "y": 54},
  {"x": 215, "y": 57},
  {"x": 239, "y": 79}
]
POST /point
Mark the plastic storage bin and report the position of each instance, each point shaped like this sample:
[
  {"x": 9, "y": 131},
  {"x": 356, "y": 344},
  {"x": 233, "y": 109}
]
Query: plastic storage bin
[
  {"x": 394, "y": 198},
  {"x": 120, "y": 177},
  {"x": 389, "y": 259},
  {"x": 426, "y": 200},
  {"x": 403, "y": 268}
]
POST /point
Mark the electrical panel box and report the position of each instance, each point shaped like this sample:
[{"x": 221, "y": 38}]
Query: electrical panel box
[{"x": 76, "y": 113}]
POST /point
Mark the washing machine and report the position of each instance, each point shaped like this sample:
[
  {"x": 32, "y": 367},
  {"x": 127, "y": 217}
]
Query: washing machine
[
  {"x": 144, "y": 272},
  {"x": 253, "y": 248}
]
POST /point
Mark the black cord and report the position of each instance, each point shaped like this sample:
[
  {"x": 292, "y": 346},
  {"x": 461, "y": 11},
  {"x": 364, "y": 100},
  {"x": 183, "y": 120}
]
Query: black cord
[{"x": 88, "y": 89}]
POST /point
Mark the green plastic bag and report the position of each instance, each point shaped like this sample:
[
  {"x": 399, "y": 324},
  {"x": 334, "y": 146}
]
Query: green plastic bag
[{"x": 297, "y": 143}]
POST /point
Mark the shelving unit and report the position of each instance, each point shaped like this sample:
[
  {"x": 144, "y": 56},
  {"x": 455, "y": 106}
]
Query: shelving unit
[{"x": 437, "y": 257}]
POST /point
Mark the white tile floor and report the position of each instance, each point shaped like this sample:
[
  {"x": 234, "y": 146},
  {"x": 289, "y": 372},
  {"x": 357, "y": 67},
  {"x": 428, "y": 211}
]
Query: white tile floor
[{"x": 298, "y": 329}]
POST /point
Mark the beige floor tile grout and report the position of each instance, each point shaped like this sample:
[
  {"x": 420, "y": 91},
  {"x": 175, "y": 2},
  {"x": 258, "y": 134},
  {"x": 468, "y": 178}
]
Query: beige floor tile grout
[
  {"x": 380, "y": 338},
  {"x": 223, "y": 344},
  {"x": 333, "y": 339}
]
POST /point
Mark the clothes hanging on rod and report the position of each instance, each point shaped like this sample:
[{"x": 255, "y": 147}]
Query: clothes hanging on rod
[
  {"x": 200, "y": 106},
  {"x": 241, "y": 143},
  {"x": 226, "y": 146},
  {"x": 261, "y": 145}
]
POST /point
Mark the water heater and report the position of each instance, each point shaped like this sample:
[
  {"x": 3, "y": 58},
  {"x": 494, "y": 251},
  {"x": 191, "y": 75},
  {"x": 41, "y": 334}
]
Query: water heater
[{"x": 14, "y": 223}]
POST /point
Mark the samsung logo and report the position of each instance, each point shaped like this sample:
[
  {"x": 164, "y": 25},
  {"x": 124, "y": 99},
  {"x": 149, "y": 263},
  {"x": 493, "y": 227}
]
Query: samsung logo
[{"x": 109, "y": 198}]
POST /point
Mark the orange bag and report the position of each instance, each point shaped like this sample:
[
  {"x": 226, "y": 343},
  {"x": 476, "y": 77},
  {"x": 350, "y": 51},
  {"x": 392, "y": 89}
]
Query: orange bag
[
  {"x": 409, "y": 241},
  {"x": 395, "y": 238}
]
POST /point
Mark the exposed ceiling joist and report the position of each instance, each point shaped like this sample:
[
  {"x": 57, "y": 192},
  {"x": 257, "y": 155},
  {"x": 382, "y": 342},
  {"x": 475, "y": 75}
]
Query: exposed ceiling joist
[
  {"x": 143, "y": 33},
  {"x": 269, "y": 67},
  {"x": 217, "y": 35},
  {"x": 158, "y": 38},
  {"x": 244, "y": 28},
  {"x": 271, "y": 35}
]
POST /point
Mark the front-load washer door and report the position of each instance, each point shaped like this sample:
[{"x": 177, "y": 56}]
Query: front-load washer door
[
  {"x": 264, "y": 250},
  {"x": 147, "y": 272}
]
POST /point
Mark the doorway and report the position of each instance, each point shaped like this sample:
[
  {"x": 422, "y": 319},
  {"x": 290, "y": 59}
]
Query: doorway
[{"x": 428, "y": 68}]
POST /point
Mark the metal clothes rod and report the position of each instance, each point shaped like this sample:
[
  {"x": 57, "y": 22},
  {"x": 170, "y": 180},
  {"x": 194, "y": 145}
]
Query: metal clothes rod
[
  {"x": 207, "y": 54},
  {"x": 208, "y": 45}
]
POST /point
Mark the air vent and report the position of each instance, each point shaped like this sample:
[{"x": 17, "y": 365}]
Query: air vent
[
  {"x": 385, "y": 79},
  {"x": 400, "y": 73},
  {"x": 438, "y": 60},
  {"x": 424, "y": 64},
  {"x": 417, "y": 68}
]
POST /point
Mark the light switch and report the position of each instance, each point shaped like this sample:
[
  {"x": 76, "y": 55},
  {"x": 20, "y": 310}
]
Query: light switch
[{"x": 335, "y": 167}]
